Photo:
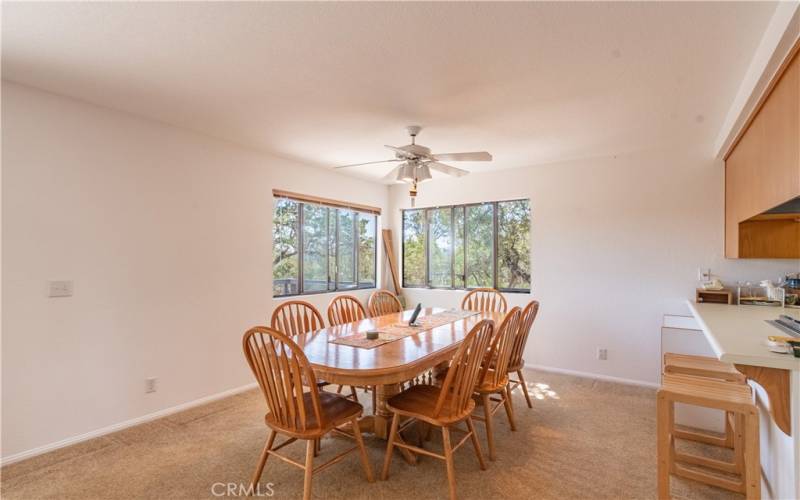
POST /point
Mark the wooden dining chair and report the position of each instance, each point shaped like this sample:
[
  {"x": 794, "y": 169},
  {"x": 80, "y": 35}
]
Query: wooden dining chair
[
  {"x": 443, "y": 407},
  {"x": 297, "y": 317},
  {"x": 383, "y": 302},
  {"x": 280, "y": 367},
  {"x": 484, "y": 300},
  {"x": 493, "y": 380},
  {"x": 516, "y": 363},
  {"x": 345, "y": 309}
]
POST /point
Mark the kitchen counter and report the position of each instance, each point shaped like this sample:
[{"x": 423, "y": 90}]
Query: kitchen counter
[{"x": 738, "y": 334}]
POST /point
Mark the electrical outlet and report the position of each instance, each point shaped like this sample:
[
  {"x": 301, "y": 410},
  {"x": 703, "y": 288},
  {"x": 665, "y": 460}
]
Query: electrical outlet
[
  {"x": 703, "y": 274},
  {"x": 59, "y": 289},
  {"x": 602, "y": 354},
  {"x": 150, "y": 384}
]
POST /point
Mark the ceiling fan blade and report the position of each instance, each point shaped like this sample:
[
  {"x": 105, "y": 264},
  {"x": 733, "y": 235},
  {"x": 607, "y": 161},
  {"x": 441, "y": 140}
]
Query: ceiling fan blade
[
  {"x": 367, "y": 163},
  {"x": 392, "y": 175},
  {"x": 402, "y": 152},
  {"x": 473, "y": 156},
  {"x": 447, "y": 169}
]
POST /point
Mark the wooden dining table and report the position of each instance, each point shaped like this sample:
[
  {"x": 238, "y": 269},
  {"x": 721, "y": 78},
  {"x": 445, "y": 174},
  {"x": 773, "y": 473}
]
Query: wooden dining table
[{"x": 386, "y": 366}]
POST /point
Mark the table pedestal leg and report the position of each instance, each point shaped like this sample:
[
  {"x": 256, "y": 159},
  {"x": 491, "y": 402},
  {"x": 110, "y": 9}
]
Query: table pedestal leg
[{"x": 383, "y": 417}]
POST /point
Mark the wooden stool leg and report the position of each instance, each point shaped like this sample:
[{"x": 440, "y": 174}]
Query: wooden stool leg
[
  {"x": 729, "y": 430},
  {"x": 524, "y": 388},
  {"x": 487, "y": 412},
  {"x": 309, "y": 469},
  {"x": 374, "y": 399},
  {"x": 448, "y": 458},
  {"x": 353, "y": 393},
  {"x": 475, "y": 443},
  {"x": 663, "y": 432},
  {"x": 263, "y": 459},
  {"x": 738, "y": 442},
  {"x": 506, "y": 395},
  {"x": 390, "y": 447},
  {"x": 752, "y": 460}
]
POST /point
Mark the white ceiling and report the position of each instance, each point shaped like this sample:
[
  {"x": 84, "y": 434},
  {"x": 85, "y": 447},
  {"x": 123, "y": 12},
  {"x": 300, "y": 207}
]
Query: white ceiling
[{"x": 330, "y": 83}]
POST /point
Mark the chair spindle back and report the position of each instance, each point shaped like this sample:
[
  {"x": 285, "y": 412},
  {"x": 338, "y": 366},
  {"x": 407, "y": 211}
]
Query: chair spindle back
[
  {"x": 345, "y": 309},
  {"x": 280, "y": 367},
  {"x": 484, "y": 300},
  {"x": 383, "y": 302},
  {"x": 296, "y": 317},
  {"x": 465, "y": 368},
  {"x": 525, "y": 326},
  {"x": 501, "y": 348}
]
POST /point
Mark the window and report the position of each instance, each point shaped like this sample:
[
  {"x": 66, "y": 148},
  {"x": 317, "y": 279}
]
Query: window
[
  {"x": 414, "y": 248},
  {"x": 319, "y": 248},
  {"x": 440, "y": 247},
  {"x": 468, "y": 246}
]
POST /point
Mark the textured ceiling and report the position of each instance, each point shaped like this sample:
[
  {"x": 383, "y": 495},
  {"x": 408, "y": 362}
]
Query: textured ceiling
[{"x": 330, "y": 83}]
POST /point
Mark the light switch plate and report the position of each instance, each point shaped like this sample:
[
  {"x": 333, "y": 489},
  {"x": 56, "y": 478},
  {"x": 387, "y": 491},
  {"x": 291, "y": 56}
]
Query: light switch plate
[{"x": 59, "y": 289}]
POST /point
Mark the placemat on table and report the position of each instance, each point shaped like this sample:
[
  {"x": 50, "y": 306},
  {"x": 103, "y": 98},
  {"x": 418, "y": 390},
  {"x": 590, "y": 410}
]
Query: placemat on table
[{"x": 402, "y": 330}]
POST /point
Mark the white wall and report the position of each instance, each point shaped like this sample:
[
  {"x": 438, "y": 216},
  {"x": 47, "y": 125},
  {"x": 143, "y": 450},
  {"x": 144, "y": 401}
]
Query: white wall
[
  {"x": 167, "y": 236},
  {"x": 616, "y": 243}
]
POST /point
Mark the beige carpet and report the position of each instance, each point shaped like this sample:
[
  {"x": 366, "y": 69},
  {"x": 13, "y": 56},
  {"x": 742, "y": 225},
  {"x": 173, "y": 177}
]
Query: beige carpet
[{"x": 583, "y": 439}]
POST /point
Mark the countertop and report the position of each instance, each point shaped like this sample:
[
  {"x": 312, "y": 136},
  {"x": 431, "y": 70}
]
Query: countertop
[{"x": 738, "y": 334}]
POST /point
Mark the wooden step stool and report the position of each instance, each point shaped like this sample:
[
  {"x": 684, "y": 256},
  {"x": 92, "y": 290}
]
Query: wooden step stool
[
  {"x": 729, "y": 397},
  {"x": 704, "y": 366}
]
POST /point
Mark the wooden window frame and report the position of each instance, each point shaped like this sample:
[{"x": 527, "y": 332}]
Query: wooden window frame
[{"x": 358, "y": 212}]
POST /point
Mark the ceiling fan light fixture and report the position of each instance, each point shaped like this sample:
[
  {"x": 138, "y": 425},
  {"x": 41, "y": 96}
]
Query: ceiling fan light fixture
[
  {"x": 424, "y": 173},
  {"x": 407, "y": 172}
]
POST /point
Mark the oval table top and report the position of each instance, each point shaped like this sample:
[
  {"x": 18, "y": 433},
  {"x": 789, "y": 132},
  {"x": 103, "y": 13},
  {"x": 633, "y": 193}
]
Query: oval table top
[{"x": 390, "y": 363}]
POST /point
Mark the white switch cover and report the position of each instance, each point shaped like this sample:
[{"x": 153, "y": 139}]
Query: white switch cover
[{"x": 59, "y": 289}]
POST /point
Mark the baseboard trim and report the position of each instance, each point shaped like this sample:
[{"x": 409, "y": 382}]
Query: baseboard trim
[
  {"x": 123, "y": 425},
  {"x": 596, "y": 376}
]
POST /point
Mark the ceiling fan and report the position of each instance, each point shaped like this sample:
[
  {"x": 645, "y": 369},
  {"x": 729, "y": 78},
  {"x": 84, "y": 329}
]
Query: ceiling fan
[{"x": 418, "y": 161}]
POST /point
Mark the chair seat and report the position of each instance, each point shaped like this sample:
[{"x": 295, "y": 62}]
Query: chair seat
[
  {"x": 707, "y": 392},
  {"x": 420, "y": 402},
  {"x": 335, "y": 409}
]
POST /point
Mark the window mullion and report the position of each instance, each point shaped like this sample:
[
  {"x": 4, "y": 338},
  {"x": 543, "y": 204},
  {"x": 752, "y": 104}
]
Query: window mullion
[
  {"x": 356, "y": 243},
  {"x": 328, "y": 248},
  {"x": 452, "y": 247},
  {"x": 427, "y": 248},
  {"x": 464, "y": 234},
  {"x": 336, "y": 254},
  {"x": 494, "y": 247},
  {"x": 465, "y": 248},
  {"x": 300, "y": 287}
]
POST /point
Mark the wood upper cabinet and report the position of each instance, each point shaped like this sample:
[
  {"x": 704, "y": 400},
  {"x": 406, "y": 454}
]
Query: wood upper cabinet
[{"x": 762, "y": 172}]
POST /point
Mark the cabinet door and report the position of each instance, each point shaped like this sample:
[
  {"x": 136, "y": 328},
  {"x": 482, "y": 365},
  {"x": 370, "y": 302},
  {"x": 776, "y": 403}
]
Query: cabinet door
[
  {"x": 741, "y": 176},
  {"x": 781, "y": 151}
]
